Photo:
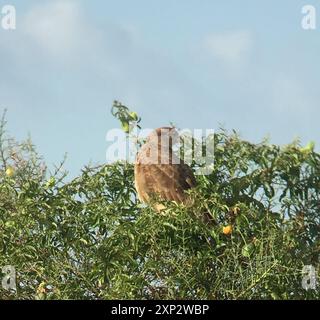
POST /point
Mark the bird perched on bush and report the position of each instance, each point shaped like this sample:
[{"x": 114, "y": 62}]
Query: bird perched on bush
[{"x": 160, "y": 173}]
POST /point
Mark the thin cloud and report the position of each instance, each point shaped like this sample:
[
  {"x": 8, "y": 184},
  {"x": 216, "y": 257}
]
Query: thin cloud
[
  {"x": 231, "y": 48},
  {"x": 112, "y": 59},
  {"x": 56, "y": 28}
]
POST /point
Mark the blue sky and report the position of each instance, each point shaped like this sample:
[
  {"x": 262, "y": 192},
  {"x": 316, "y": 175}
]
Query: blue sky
[{"x": 245, "y": 64}]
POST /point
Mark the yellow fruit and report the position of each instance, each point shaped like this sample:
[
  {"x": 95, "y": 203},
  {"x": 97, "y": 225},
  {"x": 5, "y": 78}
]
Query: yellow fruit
[
  {"x": 134, "y": 116},
  {"x": 308, "y": 148},
  {"x": 10, "y": 172},
  {"x": 227, "y": 230}
]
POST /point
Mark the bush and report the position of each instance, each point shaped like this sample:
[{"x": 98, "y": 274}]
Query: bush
[{"x": 91, "y": 238}]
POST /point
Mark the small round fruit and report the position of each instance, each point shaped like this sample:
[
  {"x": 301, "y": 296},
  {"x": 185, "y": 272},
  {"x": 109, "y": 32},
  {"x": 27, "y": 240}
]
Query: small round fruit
[
  {"x": 134, "y": 116},
  {"x": 227, "y": 230},
  {"x": 9, "y": 172}
]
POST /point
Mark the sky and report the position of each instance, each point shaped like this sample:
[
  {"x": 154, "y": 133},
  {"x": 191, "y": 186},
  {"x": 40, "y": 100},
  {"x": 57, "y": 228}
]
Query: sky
[{"x": 246, "y": 65}]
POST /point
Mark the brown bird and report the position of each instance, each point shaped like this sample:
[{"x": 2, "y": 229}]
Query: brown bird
[{"x": 159, "y": 172}]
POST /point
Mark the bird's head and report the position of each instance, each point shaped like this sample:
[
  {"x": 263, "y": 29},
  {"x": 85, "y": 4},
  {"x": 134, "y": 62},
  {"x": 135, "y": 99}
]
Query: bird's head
[{"x": 164, "y": 135}]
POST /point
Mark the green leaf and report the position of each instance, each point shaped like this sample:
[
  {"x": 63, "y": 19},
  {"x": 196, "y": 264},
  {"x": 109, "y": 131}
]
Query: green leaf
[{"x": 247, "y": 250}]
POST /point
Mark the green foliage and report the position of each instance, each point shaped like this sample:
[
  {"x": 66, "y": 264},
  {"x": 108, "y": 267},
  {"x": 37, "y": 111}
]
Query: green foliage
[
  {"x": 128, "y": 119},
  {"x": 91, "y": 238}
]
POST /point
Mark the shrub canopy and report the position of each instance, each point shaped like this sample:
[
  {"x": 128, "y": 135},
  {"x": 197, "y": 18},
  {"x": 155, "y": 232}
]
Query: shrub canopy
[{"x": 91, "y": 238}]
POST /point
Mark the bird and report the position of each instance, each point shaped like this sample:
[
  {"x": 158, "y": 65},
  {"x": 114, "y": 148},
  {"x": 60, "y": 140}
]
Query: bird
[{"x": 158, "y": 172}]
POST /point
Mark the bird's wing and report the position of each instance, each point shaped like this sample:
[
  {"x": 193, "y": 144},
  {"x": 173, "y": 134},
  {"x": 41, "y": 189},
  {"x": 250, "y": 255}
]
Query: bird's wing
[{"x": 169, "y": 181}]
